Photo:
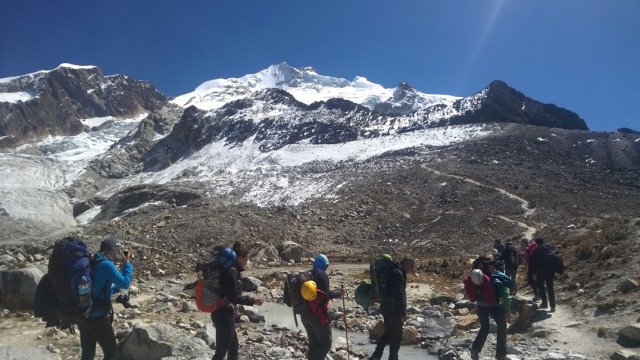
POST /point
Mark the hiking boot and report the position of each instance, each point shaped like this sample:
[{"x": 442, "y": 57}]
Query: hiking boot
[
  {"x": 475, "y": 355},
  {"x": 544, "y": 306},
  {"x": 375, "y": 356},
  {"x": 553, "y": 309}
]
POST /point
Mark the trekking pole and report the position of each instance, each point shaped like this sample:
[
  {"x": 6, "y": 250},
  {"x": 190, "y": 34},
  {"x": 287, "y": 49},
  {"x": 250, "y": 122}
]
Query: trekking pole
[{"x": 346, "y": 329}]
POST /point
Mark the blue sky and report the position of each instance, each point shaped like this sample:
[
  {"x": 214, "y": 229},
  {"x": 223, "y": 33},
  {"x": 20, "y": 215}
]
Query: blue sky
[{"x": 583, "y": 55}]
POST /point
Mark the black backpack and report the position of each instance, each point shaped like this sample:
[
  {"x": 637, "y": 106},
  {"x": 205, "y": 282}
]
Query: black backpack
[
  {"x": 293, "y": 291},
  {"x": 556, "y": 262},
  {"x": 510, "y": 256},
  {"x": 551, "y": 258},
  {"x": 63, "y": 295},
  {"x": 380, "y": 271}
]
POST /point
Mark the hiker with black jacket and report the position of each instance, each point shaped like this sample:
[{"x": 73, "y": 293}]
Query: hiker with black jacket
[
  {"x": 316, "y": 321},
  {"x": 509, "y": 257},
  {"x": 542, "y": 267},
  {"x": 106, "y": 280},
  {"x": 393, "y": 305},
  {"x": 233, "y": 263}
]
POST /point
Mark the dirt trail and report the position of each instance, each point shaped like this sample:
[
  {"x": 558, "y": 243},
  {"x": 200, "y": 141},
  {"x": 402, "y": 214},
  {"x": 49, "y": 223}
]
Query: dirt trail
[
  {"x": 572, "y": 334},
  {"x": 524, "y": 204}
]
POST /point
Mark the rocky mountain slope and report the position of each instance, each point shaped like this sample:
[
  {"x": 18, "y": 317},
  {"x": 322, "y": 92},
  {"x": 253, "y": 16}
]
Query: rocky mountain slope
[
  {"x": 55, "y": 102},
  {"x": 434, "y": 177}
]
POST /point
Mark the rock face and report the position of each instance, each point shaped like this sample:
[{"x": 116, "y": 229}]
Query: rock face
[
  {"x": 501, "y": 103},
  {"x": 58, "y": 99}
]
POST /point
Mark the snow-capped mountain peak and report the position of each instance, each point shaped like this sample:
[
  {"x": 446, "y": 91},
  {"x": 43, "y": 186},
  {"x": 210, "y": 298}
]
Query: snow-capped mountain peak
[{"x": 305, "y": 84}]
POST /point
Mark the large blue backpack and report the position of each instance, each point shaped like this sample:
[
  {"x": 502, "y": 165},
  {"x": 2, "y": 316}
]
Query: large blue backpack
[{"x": 70, "y": 277}]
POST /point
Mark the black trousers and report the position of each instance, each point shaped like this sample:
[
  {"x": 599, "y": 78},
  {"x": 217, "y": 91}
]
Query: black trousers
[
  {"x": 224, "y": 321},
  {"x": 531, "y": 281},
  {"x": 97, "y": 330},
  {"x": 319, "y": 336},
  {"x": 392, "y": 334},
  {"x": 546, "y": 278},
  {"x": 498, "y": 314}
]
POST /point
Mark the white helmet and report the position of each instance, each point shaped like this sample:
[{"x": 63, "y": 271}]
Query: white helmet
[{"x": 477, "y": 277}]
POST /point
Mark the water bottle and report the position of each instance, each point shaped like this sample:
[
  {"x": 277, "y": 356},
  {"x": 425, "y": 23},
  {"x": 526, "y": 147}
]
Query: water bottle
[{"x": 84, "y": 286}]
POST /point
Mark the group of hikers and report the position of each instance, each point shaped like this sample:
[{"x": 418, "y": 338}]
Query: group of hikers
[{"x": 491, "y": 283}]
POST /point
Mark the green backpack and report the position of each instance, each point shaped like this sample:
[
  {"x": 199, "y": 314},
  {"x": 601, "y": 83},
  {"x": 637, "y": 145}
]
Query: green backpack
[{"x": 380, "y": 268}]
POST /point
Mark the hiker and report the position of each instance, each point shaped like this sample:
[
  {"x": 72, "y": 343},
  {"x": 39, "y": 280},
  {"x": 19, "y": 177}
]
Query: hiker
[
  {"x": 541, "y": 264},
  {"x": 527, "y": 249},
  {"x": 488, "y": 288},
  {"x": 106, "y": 280},
  {"x": 233, "y": 263},
  {"x": 509, "y": 257},
  {"x": 316, "y": 321},
  {"x": 499, "y": 247},
  {"x": 393, "y": 306}
]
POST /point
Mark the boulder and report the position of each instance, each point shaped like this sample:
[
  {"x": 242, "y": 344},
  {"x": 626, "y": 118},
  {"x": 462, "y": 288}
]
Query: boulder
[
  {"x": 20, "y": 283},
  {"x": 289, "y": 250},
  {"x": 624, "y": 355},
  {"x": 629, "y": 336},
  {"x": 250, "y": 283},
  {"x": 157, "y": 341}
]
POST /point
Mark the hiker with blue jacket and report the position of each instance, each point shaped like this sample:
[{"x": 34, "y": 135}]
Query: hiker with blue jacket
[
  {"x": 393, "y": 305},
  {"x": 106, "y": 280},
  {"x": 316, "y": 321}
]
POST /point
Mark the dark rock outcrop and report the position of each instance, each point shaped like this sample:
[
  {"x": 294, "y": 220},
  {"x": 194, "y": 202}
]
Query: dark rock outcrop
[
  {"x": 138, "y": 195},
  {"x": 67, "y": 94},
  {"x": 501, "y": 103}
]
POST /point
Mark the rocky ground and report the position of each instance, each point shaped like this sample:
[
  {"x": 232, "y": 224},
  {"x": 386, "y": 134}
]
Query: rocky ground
[
  {"x": 585, "y": 326},
  {"x": 579, "y": 190}
]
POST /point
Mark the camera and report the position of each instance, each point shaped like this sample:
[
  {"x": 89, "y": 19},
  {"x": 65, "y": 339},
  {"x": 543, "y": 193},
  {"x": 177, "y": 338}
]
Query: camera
[{"x": 124, "y": 300}]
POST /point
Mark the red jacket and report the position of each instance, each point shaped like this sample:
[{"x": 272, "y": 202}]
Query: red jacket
[
  {"x": 529, "y": 251},
  {"x": 320, "y": 306}
]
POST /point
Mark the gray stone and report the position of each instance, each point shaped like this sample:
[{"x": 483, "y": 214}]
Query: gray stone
[
  {"x": 289, "y": 250},
  {"x": 21, "y": 283},
  {"x": 628, "y": 285},
  {"x": 157, "y": 341},
  {"x": 631, "y": 332},
  {"x": 624, "y": 354},
  {"x": 250, "y": 283}
]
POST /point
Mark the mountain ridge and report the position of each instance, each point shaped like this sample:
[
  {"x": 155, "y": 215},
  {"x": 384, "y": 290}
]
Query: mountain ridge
[{"x": 58, "y": 100}]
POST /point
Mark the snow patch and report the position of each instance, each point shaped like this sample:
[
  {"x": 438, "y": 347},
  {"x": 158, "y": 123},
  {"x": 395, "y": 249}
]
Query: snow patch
[{"x": 15, "y": 97}]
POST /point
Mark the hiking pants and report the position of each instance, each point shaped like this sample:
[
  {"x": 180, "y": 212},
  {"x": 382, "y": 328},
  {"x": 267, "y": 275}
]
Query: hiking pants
[
  {"x": 512, "y": 273},
  {"x": 531, "y": 281},
  {"x": 392, "y": 334},
  {"x": 546, "y": 278},
  {"x": 224, "y": 321},
  {"x": 319, "y": 336},
  {"x": 498, "y": 315},
  {"x": 97, "y": 330}
]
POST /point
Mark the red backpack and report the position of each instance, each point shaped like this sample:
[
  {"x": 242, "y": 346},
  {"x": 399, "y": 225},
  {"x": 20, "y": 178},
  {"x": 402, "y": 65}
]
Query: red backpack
[{"x": 485, "y": 292}]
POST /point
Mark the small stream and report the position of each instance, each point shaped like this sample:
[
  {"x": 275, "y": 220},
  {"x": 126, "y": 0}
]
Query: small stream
[{"x": 281, "y": 315}]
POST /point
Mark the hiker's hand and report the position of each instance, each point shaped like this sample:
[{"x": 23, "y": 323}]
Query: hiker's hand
[{"x": 258, "y": 300}]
